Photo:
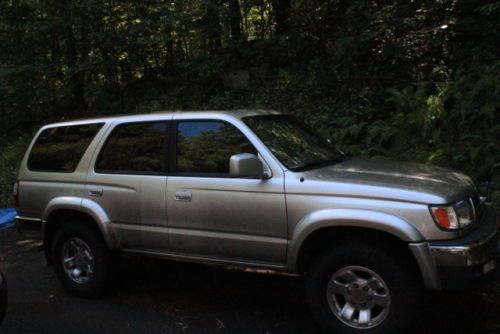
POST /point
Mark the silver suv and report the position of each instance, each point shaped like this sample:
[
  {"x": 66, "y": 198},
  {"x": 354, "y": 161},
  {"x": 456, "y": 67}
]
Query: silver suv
[{"x": 254, "y": 188}]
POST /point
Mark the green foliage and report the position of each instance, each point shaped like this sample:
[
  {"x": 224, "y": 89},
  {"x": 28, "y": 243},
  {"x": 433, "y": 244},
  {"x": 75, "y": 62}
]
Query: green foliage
[{"x": 407, "y": 80}]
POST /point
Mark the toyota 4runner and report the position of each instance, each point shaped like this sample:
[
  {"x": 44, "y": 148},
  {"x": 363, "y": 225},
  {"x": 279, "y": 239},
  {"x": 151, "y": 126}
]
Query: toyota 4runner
[{"x": 254, "y": 188}]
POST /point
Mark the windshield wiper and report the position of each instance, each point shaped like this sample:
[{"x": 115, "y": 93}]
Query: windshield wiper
[{"x": 318, "y": 164}]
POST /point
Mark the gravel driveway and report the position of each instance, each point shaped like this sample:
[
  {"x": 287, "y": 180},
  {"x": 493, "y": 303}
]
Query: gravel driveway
[{"x": 167, "y": 297}]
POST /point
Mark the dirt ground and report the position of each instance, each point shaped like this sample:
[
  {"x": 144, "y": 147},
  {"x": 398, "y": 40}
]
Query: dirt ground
[{"x": 167, "y": 297}]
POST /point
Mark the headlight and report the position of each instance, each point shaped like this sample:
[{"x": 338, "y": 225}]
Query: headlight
[
  {"x": 464, "y": 212},
  {"x": 453, "y": 217}
]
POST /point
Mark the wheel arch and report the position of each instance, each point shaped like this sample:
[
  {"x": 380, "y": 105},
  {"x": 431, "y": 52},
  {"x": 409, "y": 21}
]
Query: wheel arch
[
  {"x": 320, "y": 229},
  {"x": 61, "y": 209}
]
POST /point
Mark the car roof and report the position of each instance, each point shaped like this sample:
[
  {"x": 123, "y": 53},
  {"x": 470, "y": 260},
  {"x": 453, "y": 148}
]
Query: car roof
[{"x": 239, "y": 114}]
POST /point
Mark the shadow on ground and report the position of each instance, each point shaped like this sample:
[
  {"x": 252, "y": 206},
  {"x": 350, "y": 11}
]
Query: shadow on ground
[{"x": 153, "y": 296}]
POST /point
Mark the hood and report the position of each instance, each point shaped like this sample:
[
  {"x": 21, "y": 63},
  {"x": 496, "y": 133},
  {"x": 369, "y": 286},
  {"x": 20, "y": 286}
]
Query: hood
[{"x": 390, "y": 180}]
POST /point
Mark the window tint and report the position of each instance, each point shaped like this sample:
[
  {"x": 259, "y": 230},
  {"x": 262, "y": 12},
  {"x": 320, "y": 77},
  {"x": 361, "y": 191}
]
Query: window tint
[
  {"x": 205, "y": 147},
  {"x": 134, "y": 148},
  {"x": 61, "y": 149}
]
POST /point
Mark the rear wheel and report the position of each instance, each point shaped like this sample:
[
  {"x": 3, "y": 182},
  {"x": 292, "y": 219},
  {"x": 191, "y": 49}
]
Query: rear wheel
[
  {"x": 357, "y": 288},
  {"x": 82, "y": 261}
]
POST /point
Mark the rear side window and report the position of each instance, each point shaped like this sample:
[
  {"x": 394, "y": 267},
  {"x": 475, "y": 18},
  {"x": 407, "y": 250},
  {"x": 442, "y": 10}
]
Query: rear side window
[
  {"x": 205, "y": 147},
  {"x": 61, "y": 149},
  {"x": 134, "y": 148}
]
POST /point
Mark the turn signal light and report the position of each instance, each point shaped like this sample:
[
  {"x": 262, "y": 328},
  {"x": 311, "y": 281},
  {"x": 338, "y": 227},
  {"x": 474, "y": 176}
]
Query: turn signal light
[{"x": 445, "y": 217}]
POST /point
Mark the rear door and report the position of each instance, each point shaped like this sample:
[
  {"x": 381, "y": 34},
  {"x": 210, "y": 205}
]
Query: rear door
[{"x": 128, "y": 179}]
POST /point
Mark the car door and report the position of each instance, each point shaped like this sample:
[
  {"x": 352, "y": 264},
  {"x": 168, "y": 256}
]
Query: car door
[
  {"x": 213, "y": 215},
  {"x": 128, "y": 180}
]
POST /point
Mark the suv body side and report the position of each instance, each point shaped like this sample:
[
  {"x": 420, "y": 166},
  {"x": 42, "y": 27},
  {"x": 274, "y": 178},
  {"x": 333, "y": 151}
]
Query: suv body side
[{"x": 214, "y": 219}]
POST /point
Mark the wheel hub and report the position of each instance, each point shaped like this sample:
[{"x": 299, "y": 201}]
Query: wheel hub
[
  {"x": 78, "y": 261},
  {"x": 358, "y": 297}
]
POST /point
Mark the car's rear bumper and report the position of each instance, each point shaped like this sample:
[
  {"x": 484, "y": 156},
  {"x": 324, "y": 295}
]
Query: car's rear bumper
[{"x": 455, "y": 263}]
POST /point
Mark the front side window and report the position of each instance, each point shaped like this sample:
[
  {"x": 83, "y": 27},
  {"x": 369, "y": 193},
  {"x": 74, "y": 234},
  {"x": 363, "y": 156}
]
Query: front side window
[
  {"x": 297, "y": 146},
  {"x": 205, "y": 147},
  {"x": 60, "y": 149},
  {"x": 135, "y": 148}
]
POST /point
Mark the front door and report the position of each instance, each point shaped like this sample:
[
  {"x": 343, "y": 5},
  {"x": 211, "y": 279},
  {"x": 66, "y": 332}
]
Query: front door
[{"x": 211, "y": 215}]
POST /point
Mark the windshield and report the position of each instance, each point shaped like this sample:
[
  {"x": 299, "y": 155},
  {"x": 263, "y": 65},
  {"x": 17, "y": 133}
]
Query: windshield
[{"x": 297, "y": 146}]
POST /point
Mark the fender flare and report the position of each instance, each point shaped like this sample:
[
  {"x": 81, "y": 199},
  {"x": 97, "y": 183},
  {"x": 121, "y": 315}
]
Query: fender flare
[
  {"x": 89, "y": 207},
  {"x": 368, "y": 219}
]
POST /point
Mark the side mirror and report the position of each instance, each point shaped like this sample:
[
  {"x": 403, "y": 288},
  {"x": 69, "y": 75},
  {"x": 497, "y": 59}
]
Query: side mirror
[{"x": 246, "y": 165}]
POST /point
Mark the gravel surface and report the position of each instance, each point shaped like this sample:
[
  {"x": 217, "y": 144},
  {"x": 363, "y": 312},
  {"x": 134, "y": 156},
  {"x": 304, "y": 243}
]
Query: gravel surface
[{"x": 153, "y": 296}]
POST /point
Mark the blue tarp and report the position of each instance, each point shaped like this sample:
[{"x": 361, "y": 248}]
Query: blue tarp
[{"x": 7, "y": 218}]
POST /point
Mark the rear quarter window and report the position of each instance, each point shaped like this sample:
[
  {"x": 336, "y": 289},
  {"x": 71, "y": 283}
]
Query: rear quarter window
[{"x": 60, "y": 149}]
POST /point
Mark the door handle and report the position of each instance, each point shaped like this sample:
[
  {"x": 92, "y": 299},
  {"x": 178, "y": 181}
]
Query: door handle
[
  {"x": 96, "y": 192},
  {"x": 183, "y": 196}
]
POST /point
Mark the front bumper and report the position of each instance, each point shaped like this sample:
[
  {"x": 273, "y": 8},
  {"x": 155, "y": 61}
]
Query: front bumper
[{"x": 455, "y": 263}]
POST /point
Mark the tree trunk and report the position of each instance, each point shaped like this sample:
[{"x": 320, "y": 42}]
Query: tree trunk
[
  {"x": 77, "y": 78},
  {"x": 212, "y": 23},
  {"x": 235, "y": 20},
  {"x": 282, "y": 10},
  {"x": 170, "y": 52}
]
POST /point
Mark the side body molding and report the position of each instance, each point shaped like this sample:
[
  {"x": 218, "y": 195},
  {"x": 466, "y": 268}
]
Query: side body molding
[
  {"x": 88, "y": 207},
  {"x": 367, "y": 219}
]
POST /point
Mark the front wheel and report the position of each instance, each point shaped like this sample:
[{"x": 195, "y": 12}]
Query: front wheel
[{"x": 355, "y": 288}]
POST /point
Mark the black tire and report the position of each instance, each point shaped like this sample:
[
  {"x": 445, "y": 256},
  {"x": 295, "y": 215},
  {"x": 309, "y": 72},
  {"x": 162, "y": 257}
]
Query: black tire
[
  {"x": 98, "y": 283},
  {"x": 402, "y": 280}
]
